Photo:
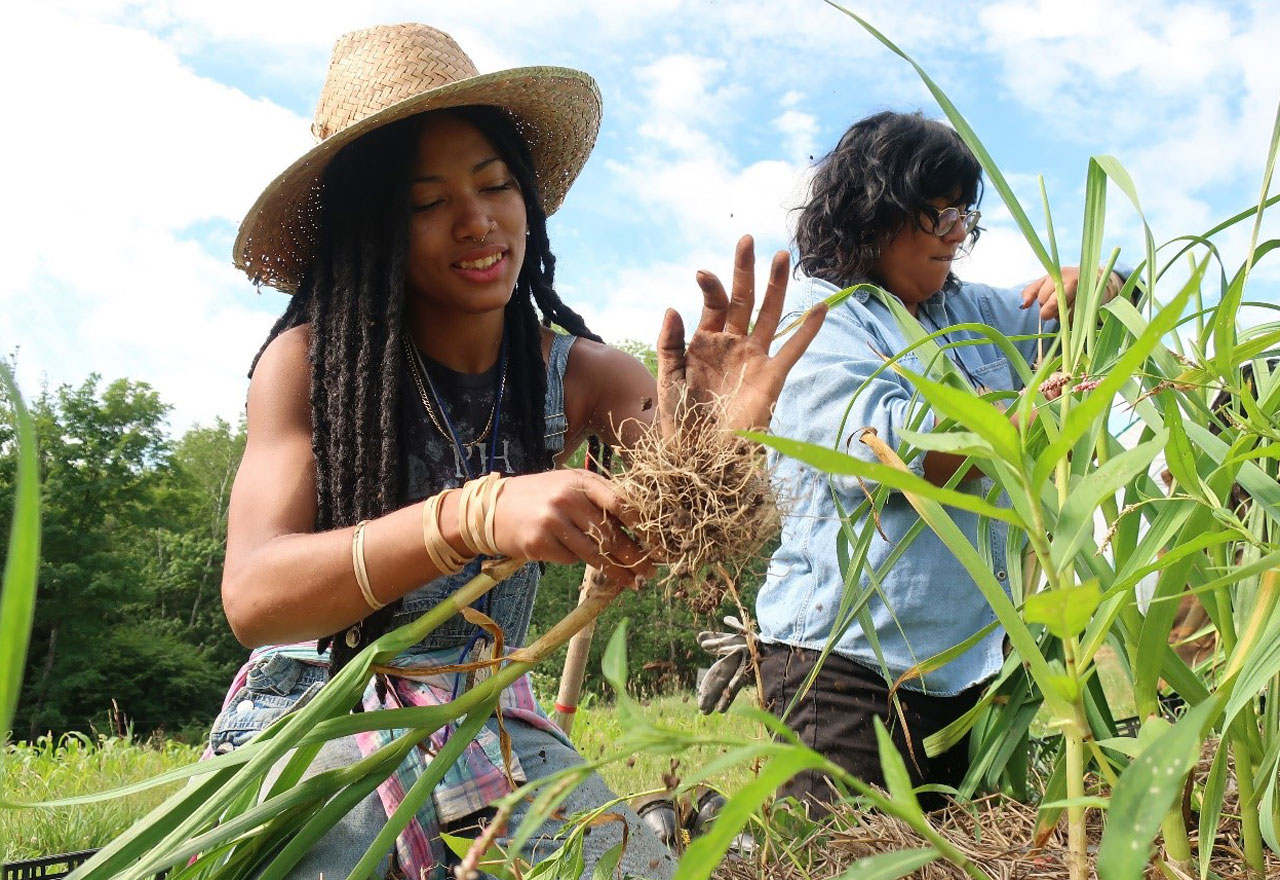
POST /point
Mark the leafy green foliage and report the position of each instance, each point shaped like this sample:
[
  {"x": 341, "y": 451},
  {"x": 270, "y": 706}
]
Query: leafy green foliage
[
  {"x": 128, "y": 604},
  {"x": 1206, "y": 398},
  {"x": 1065, "y": 612}
]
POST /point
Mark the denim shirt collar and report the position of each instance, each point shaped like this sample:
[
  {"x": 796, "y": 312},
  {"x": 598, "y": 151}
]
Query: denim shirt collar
[{"x": 935, "y": 301}]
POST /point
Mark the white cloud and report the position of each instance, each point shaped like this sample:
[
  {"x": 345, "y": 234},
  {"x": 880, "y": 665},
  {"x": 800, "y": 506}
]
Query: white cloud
[
  {"x": 142, "y": 156},
  {"x": 682, "y": 87},
  {"x": 1001, "y": 258},
  {"x": 1049, "y": 46},
  {"x": 710, "y": 205},
  {"x": 1190, "y": 88},
  {"x": 629, "y": 304},
  {"x": 636, "y": 299},
  {"x": 685, "y": 172},
  {"x": 131, "y": 160},
  {"x": 801, "y": 133}
]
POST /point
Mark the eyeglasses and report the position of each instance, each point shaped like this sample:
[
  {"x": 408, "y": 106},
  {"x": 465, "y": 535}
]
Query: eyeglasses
[{"x": 949, "y": 217}]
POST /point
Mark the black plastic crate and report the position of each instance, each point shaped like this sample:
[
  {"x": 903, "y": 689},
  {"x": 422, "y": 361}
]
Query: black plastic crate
[{"x": 48, "y": 867}]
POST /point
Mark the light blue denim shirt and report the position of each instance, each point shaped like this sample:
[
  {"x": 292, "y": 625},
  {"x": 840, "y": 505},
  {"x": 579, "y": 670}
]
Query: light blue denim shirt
[{"x": 935, "y": 603}]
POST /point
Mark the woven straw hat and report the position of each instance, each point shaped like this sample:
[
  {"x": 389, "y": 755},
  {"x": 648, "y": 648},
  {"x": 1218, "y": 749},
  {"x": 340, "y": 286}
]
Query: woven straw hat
[{"x": 382, "y": 74}]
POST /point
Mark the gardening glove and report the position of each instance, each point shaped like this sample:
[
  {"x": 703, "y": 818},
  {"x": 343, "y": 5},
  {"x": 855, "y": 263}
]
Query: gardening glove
[{"x": 728, "y": 674}]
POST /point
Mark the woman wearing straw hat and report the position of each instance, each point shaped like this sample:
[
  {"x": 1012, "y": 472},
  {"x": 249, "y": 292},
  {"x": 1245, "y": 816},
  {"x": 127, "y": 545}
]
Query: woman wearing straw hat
[{"x": 412, "y": 363}]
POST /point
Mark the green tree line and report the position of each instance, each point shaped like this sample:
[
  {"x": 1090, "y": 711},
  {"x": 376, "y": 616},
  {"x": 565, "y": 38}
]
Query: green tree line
[
  {"x": 129, "y": 625},
  {"x": 129, "y": 628}
]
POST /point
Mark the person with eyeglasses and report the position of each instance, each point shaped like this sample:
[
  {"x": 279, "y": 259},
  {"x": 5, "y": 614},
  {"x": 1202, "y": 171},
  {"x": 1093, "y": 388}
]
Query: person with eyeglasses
[{"x": 893, "y": 205}]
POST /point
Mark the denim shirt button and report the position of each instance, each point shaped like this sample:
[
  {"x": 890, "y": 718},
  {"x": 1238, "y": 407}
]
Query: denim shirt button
[
  {"x": 1001, "y": 575},
  {"x": 245, "y": 706}
]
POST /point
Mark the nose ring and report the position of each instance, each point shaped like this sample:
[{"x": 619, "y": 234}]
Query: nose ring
[{"x": 480, "y": 240}]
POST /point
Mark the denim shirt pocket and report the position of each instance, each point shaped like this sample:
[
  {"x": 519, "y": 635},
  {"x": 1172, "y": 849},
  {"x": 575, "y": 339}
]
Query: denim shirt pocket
[
  {"x": 798, "y": 495},
  {"x": 996, "y": 375},
  {"x": 789, "y": 581},
  {"x": 276, "y": 686}
]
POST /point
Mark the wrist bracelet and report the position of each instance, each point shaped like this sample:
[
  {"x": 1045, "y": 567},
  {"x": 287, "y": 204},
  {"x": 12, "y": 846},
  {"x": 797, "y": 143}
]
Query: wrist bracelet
[
  {"x": 441, "y": 552},
  {"x": 477, "y": 513},
  {"x": 358, "y": 563}
]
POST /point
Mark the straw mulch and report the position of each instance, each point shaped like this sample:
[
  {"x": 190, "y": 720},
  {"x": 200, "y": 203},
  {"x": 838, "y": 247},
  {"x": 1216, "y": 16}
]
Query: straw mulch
[{"x": 995, "y": 832}]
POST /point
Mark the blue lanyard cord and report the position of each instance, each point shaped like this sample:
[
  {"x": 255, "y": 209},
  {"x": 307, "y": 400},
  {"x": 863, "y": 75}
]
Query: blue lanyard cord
[
  {"x": 485, "y": 601},
  {"x": 480, "y": 635}
]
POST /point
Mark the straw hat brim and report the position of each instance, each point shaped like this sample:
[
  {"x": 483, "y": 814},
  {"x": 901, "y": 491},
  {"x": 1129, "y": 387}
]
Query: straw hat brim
[{"x": 556, "y": 109}]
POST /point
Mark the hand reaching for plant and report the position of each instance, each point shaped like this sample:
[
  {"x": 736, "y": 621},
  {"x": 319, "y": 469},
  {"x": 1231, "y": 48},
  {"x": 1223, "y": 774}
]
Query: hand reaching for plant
[
  {"x": 1043, "y": 292},
  {"x": 727, "y": 357}
]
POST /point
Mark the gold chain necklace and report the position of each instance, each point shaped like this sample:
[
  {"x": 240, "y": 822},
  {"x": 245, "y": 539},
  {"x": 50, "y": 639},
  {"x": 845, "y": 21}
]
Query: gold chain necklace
[{"x": 419, "y": 371}]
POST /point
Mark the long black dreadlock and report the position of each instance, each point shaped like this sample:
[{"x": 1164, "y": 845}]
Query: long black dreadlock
[{"x": 353, "y": 298}]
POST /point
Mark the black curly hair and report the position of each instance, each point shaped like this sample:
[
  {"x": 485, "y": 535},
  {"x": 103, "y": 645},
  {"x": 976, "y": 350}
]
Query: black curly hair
[
  {"x": 880, "y": 176},
  {"x": 353, "y": 294}
]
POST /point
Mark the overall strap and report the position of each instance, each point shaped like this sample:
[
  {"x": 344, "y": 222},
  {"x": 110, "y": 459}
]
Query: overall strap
[{"x": 557, "y": 423}]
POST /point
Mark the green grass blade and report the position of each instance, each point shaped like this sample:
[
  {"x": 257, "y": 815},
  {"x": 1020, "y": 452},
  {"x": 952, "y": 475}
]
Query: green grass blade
[
  {"x": 1085, "y": 414},
  {"x": 830, "y": 461},
  {"x": 114, "y": 858},
  {"x": 1088, "y": 294},
  {"x": 1215, "y": 787},
  {"x": 1147, "y": 790},
  {"x": 1225, "y": 326},
  {"x": 187, "y": 819},
  {"x": 1075, "y": 522},
  {"x": 1263, "y": 488},
  {"x": 421, "y": 789},
  {"x": 607, "y": 865},
  {"x": 831, "y": 302},
  {"x": 22, "y": 563},
  {"x": 342, "y": 789},
  {"x": 1153, "y": 636},
  {"x": 1055, "y": 790},
  {"x": 1267, "y": 814},
  {"x": 1120, "y": 177},
  {"x": 1260, "y": 665},
  {"x": 973, "y": 412},
  {"x": 1066, "y": 611},
  {"x": 1267, "y": 173},
  {"x": 930, "y": 510},
  {"x": 897, "y": 778},
  {"x": 939, "y": 742},
  {"x": 890, "y": 865},
  {"x": 942, "y": 658},
  {"x": 706, "y": 852},
  {"x": 1048, "y": 221},
  {"x": 965, "y": 443}
]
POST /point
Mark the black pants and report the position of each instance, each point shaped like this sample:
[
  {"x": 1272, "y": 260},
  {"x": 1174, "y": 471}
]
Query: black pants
[{"x": 835, "y": 719}]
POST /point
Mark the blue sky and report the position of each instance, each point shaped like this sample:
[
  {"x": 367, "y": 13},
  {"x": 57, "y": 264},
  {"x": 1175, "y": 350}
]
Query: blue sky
[{"x": 138, "y": 140}]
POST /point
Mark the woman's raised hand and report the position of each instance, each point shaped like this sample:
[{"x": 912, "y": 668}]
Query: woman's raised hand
[
  {"x": 727, "y": 357},
  {"x": 564, "y": 516},
  {"x": 1043, "y": 293}
]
